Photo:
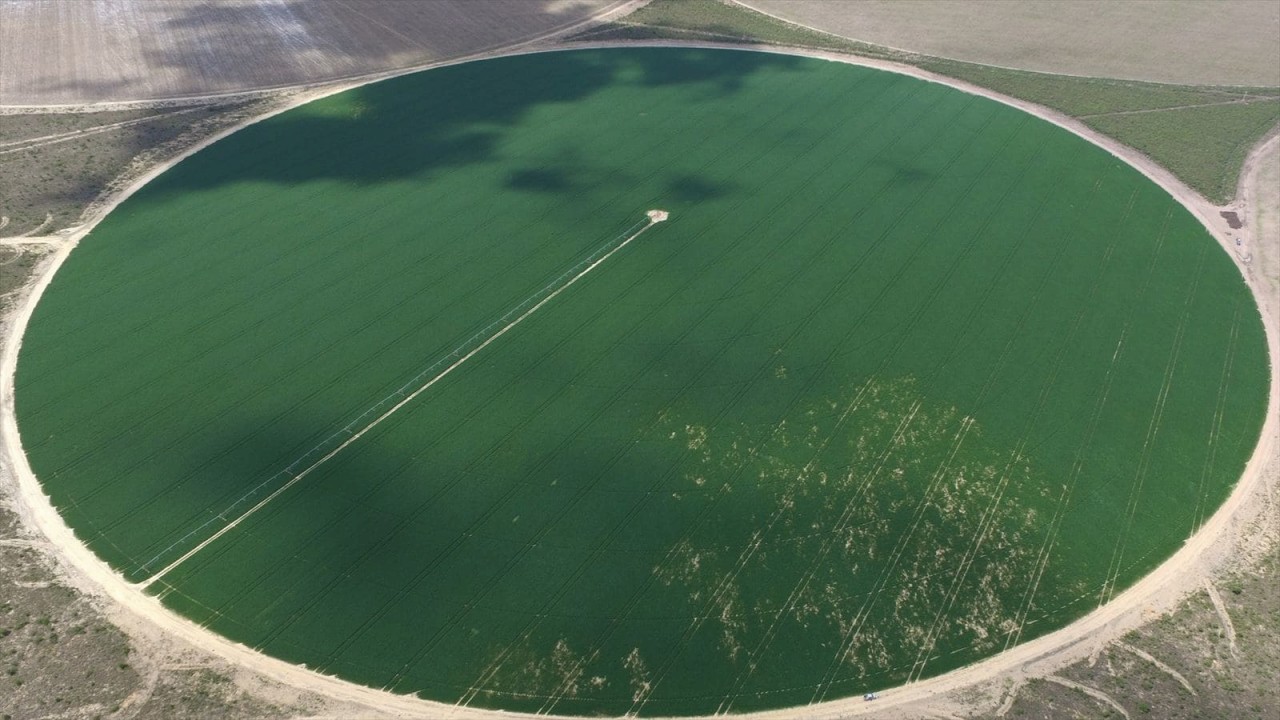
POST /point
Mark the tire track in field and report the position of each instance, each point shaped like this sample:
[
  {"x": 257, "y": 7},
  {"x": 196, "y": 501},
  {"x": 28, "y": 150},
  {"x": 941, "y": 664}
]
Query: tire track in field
[
  {"x": 988, "y": 518},
  {"x": 1215, "y": 426},
  {"x": 7, "y": 148},
  {"x": 754, "y": 656},
  {"x": 1115, "y": 566},
  {"x": 396, "y": 393},
  {"x": 429, "y": 502},
  {"x": 337, "y": 521},
  {"x": 895, "y": 555},
  {"x": 1064, "y": 499}
]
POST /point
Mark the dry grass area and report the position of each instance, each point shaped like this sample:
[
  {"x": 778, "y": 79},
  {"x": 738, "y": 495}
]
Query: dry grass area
[
  {"x": 17, "y": 263},
  {"x": 62, "y": 656},
  {"x": 1184, "y": 665},
  {"x": 56, "y": 165},
  {"x": 58, "y": 52},
  {"x": 1192, "y": 42}
]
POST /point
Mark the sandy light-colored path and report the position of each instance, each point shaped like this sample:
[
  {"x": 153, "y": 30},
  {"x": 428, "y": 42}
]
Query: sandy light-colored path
[{"x": 1156, "y": 593}]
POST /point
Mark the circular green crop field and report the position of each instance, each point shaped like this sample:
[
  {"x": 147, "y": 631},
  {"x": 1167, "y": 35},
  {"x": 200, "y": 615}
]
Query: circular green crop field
[{"x": 907, "y": 378}]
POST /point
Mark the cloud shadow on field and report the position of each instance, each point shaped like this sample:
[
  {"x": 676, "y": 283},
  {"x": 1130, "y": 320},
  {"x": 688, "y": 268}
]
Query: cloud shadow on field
[
  {"x": 548, "y": 180},
  {"x": 688, "y": 189},
  {"x": 449, "y": 118},
  {"x": 378, "y": 541}
]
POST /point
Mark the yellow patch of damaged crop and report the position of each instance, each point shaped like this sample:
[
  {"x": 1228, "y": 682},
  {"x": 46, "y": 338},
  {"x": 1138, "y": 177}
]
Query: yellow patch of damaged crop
[{"x": 911, "y": 525}]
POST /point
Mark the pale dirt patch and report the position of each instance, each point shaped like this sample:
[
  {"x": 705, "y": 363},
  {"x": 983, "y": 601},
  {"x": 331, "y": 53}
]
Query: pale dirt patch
[
  {"x": 1223, "y": 616},
  {"x": 1259, "y": 204},
  {"x": 48, "y": 220},
  {"x": 1236, "y": 524},
  {"x": 1164, "y": 667},
  {"x": 1189, "y": 42},
  {"x": 1090, "y": 691}
]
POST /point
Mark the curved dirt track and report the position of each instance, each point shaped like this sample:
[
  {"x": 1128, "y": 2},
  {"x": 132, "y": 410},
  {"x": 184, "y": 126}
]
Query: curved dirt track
[{"x": 1157, "y": 592}]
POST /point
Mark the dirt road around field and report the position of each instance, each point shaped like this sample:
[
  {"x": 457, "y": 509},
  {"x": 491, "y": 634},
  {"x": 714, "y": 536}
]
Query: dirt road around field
[
  {"x": 1258, "y": 207},
  {"x": 1240, "y": 522}
]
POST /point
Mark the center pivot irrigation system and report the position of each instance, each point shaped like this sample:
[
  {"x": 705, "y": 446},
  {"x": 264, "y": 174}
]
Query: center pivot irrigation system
[{"x": 405, "y": 394}]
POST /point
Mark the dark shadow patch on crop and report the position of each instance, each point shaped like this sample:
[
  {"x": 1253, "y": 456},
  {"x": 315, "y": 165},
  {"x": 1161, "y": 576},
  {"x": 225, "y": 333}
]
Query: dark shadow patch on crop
[
  {"x": 710, "y": 67},
  {"x": 567, "y": 170},
  {"x": 383, "y": 521},
  {"x": 695, "y": 189},
  {"x": 911, "y": 175},
  {"x": 904, "y": 173},
  {"x": 548, "y": 180},
  {"x": 450, "y": 118}
]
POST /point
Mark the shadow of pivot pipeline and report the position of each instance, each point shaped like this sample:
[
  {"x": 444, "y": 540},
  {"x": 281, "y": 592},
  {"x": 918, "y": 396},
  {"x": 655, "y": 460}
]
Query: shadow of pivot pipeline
[{"x": 344, "y": 437}]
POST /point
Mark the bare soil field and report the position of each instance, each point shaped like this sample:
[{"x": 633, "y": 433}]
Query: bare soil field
[
  {"x": 65, "y": 52},
  {"x": 1227, "y": 42}
]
